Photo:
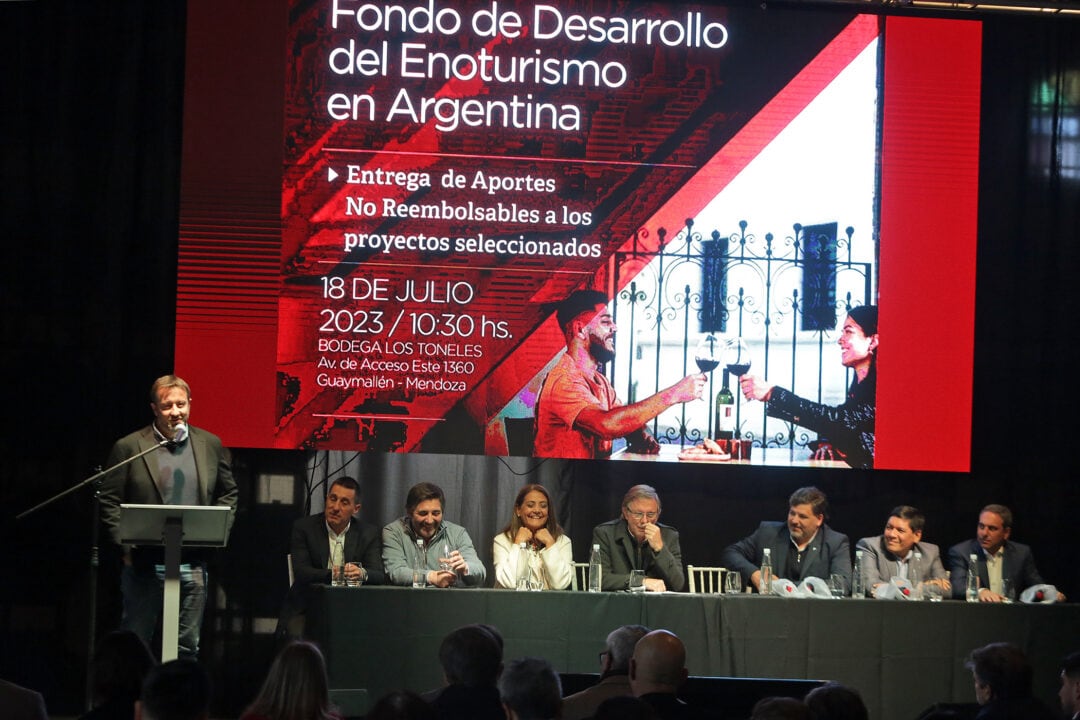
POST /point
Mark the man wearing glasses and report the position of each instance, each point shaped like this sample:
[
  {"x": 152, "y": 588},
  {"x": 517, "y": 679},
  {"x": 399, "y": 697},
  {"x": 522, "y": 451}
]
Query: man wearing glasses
[{"x": 637, "y": 541}]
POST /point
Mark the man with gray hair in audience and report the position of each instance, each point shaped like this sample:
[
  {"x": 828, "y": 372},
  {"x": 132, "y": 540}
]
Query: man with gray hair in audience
[{"x": 614, "y": 674}]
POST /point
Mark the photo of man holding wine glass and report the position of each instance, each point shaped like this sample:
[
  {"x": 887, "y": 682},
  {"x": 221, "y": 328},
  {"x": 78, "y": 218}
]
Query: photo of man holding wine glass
[{"x": 577, "y": 412}]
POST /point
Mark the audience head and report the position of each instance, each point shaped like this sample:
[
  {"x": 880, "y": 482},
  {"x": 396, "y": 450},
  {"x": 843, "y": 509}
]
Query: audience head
[
  {"x": 176, "y": 690},
  {"x": 472, "y": 656},
  {"x": 658, "y": 664},
  {"x": 807, "y": 511},
  {"x": 424, "y": 506},
  {"x": 532, "y": 509},
  {"x": 342, "y": 503},
  {"x": 833, "y": 701},
  {"x": 778, "y": 708},
  {"x": 121, "y": 663},
  {"x": 995, "y": 525},
  {"x": 619, "y": 648},
  {"x": 903, "y": 529},
  {"x": 296, "y": 686},
  {"x": 401, "y": 705},
  {"x": 1069, "y": 694},
  {"x": 1001, "y": 672},
  {"x": 531, "y": 690},
  {"x": 640, "y": 507}
]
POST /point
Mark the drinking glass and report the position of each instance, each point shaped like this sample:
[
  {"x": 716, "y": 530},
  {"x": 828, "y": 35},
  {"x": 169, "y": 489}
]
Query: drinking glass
[
  {"x": 836, "y": 585},
  {"x": 733, "y": 583},
  {"x": 737, "y": 356},
  {"x": 444, "y": 563},
  {"x": 933, "y": 592},
  {"x": 707, "y": 355},
  {"x": 637, "y": 581},
  {"x": 354, "y": 581},
  {"x": 1008, "y": 591}
]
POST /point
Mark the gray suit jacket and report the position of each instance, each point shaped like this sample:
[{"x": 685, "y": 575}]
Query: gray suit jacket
[
  {"x": 879, "y": 565},
  {"x": 136, "y": 482},
  {"x": 621, "y": 554}
]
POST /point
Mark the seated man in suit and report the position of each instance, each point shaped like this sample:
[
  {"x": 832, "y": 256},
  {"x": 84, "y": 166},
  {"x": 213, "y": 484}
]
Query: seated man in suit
[
  {"x": 313, "y": 539},
  {"x": 802, "y": 547},
  {"x": 892, "y": 554},
  {"x": 999, "y": 558},
  {"x": 637, "y": 541}
]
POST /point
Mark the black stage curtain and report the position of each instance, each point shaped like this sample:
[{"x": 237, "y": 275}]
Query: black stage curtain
[{"x": 90, "y": 131}]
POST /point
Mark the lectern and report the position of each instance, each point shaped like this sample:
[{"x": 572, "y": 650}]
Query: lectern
[{"x": 173, "y": 526}]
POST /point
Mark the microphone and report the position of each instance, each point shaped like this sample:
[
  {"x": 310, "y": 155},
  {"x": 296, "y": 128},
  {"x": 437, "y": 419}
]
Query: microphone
[{"x": 180, "y": 433}]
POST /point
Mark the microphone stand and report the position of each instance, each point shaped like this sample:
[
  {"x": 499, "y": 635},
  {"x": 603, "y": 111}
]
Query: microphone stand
[{"x": 94, "y": 480}]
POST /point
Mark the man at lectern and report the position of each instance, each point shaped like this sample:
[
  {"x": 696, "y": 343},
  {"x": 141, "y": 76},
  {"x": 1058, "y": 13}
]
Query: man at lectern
[{"x": 189, "y": 467}]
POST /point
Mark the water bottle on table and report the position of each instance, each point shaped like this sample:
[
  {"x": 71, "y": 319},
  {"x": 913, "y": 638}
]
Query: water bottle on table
[
  {"x": 766, "y": 573},
  {"x": 595, "y": 569}
]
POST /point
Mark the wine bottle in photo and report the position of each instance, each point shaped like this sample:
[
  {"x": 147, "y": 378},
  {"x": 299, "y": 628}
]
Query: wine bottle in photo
[{"x": 724, "y": 422}]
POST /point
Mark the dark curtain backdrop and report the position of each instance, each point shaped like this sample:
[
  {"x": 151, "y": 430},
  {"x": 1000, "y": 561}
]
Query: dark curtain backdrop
[{"x": 90, "y": 137}]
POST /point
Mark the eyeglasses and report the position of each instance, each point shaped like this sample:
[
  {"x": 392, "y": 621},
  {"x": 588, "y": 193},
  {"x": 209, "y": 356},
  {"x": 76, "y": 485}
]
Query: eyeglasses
[{"x": 650, "y": 516}]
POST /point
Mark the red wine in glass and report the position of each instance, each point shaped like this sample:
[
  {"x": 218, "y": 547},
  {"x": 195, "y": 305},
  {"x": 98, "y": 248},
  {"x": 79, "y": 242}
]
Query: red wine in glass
[
  {"x": 707, "y": 354},
  {"x": 738, "y": 369},
  {"x": 706, "y": 366},
  {"x": 736, "y": 356}
]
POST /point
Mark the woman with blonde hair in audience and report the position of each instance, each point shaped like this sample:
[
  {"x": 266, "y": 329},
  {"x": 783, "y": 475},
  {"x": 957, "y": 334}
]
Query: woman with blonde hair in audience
[
  {"x": 547, "y": 551},
  {"x": 296, "y": 687}
]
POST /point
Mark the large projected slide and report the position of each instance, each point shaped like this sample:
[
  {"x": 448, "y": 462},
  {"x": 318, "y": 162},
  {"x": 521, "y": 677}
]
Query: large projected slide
[{"x": 447, "y": 172}]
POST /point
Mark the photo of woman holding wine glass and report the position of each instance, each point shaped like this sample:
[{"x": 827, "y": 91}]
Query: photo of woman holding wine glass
[
  {"x": 547, "y": 551},
  {"x": 846, "y": 430}
]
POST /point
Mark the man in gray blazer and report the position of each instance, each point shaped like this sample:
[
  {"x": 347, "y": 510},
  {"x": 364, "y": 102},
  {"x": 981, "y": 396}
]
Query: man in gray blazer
[
  {"x": 637, "y": 541},
  {"x": 892, "y": 554},
  {"x": 802, "y": 547},
  {"x": 185, "y": 465}
]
